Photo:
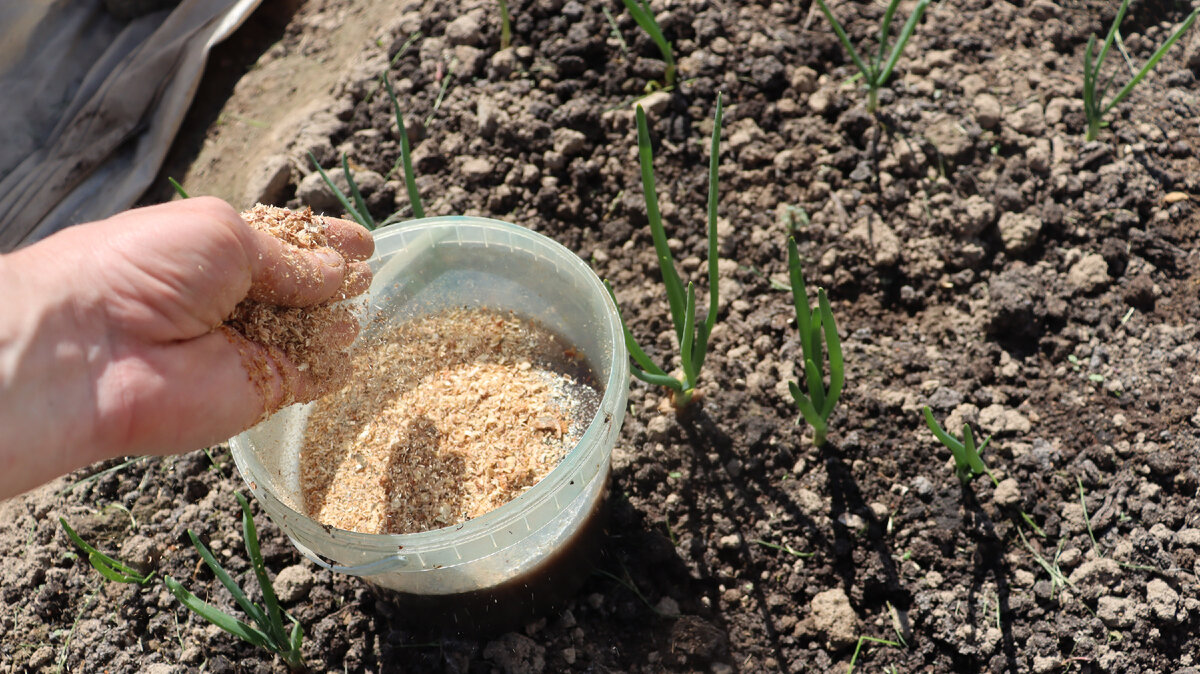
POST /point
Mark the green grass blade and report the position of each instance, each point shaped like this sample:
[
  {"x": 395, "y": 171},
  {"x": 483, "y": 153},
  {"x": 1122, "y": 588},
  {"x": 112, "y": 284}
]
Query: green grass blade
[
  {"x": 664, "y": 380},
  {"x": 1032, "y": 525},
  {"x": 809, "y": 413},
  {"x": 1112, "y": 34},
  {"x": 710, "y": 321},
  {"x": 816, "y": 387},
  {"x": 616, "y": 31},
  {"x": 1158, "y": 55},
  {"x": 101, "y": 564},
  {"x": 803, "y": 403},
  {"x": 178, "y": 188},
  {"x": 833, "y": 343},
  {"x": 294, "y": 657},
  {"x": 837, "y": 29},
  {"x": 901, "y": 42},
  {"x": 666, "y": 263},
  {"x": 1091, "y": 105},
  {"x": 117, "y": 567},
  {"x": 797, "y": 394},
  {"x": 690, "y": 373},
  {"x": 341, "y": 196},
  {"x": 641, "y": 13},
  {"x": 700, "y": 348},
  {"x": 416, "y": 35},
  {"x": 800, "y": 299},
  {"x": 505, "y": 26},
  {"x": 1125, "y": 54},
  {"x": 885, "y": 30},
  {"x": 297, "y": 637},
  {"x": 359, "y": 204},
  {"x": 817, "y": 356},
  {"x": 441, "y": 94},
  {"x": 410, "y": 180},
  {"x": 971, "y": 454},
  {"x": 250, "y": 533},
  {"x": 251, "y": 609},
  {"x": 635, "y": 350},
  {"x": 218, "y": 617},
  {"x": 1089, "y": 79},
  {"x": 945, "y": 438}
]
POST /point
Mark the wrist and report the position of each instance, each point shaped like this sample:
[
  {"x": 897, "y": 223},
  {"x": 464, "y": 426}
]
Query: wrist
[{"x": 47, "y": 365}]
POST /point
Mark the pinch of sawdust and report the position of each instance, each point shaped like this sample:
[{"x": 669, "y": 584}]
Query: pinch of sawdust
[
  {"x": 308, "y": 336},
  {"x": 449, "y": 417}
]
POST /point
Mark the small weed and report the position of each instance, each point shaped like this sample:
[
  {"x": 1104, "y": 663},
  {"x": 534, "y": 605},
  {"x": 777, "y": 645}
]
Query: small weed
[
  {"x": 858, "y": 648},
  {"x": 357, "y": 210},
  {"x": 112, "y": 569},
  {"x": 616, "y": 31},
  {"x": 794, "y": 217},
  {"x": 784, "y": 548},
  {"x": 133, "y": 523},
  {"x": 1093, "y": 96},
  {"x": 178, "y": 188},
  {"x": 267, "y": 631},
  {"x": 363, "y": 216},
  {"x": 876, "y": 73},
  {"x": 410, "y": 180},
  {"x": 967, "y": 463},
  {"x": 505, "y": 25},
  {"x": 818, "y": 333},
  {"x": 65, "y": 650},
  {"x": 216, "y": 465},
  {"x": 443, "y": 78},
  {"x": 775, "y": 285},
  {"x": 691, "y": 337},
  {"x": 408, "y": 43},
  {"x": 900, "y": 623},
  {"x": 1087, "y": 518},
  {"x": 627, "y": 582},
  {"x": 1058, "y": 580},
  {"x": 98, "y": 475},
  {"x": 640, "y": 10}
]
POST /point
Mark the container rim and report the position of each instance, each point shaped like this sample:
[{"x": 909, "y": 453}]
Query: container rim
[{"x": 513, "y": 512}]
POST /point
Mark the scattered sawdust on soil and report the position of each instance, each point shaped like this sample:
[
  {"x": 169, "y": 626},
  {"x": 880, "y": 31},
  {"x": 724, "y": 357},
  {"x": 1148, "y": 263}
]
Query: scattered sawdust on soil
[
  {"x": 449, "y": 417},
  {"x": 307, "y": 336}
]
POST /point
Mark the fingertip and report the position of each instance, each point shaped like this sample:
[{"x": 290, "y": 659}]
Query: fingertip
[
  {"x": 350, "y": 239},
  {"x": 356, "y": 281},
  {"x": 289, "y": 276}
]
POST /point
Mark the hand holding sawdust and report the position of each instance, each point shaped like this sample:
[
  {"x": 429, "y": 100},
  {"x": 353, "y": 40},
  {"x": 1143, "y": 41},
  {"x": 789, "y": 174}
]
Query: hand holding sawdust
[{"x": 137, "y": 334}]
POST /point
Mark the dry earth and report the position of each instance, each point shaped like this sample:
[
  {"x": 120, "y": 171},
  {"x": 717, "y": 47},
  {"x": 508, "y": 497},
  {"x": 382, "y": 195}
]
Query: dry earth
[{"x": 982, "y": 258}]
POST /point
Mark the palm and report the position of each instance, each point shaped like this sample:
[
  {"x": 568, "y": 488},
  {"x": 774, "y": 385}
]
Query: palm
[{"x": 167, "y": 377}]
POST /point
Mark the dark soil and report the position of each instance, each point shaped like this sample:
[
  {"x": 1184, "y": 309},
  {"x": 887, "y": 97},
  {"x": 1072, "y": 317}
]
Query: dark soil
[{"x": 981, "y": 259}]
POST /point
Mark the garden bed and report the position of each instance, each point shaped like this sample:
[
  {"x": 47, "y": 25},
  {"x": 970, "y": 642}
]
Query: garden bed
[{"x": 980, "y": 257}]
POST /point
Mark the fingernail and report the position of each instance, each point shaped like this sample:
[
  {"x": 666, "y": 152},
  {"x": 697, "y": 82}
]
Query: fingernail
[{"x": 330, "y": 258}]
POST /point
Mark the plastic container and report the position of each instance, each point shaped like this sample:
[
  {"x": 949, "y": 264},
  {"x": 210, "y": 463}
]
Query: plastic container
[{"x": 518, "y": 560}]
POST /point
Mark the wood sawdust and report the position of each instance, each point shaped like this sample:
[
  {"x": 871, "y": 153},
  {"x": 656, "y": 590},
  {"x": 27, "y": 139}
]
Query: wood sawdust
[
  {"x": 309, "y": 337},
  {"x": 448, "y": 417}
]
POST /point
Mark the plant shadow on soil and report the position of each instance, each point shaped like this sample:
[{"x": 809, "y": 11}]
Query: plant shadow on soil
[
  {"x": 706, "y": 437},
  {"x": 989, "y": 561}
]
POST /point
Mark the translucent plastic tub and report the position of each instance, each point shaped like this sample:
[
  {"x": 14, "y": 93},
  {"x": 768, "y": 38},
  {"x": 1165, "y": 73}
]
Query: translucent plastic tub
[{"x": 510, "y": 563}]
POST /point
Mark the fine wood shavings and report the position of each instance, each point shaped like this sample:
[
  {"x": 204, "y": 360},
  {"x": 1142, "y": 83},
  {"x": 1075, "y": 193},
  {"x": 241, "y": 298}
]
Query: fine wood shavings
[
  {"x": 447, "y": 417},
  {"x": 308, "y": 336}
]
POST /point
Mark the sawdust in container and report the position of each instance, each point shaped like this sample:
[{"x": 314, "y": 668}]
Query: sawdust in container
[{"x": 445, "y": 417}]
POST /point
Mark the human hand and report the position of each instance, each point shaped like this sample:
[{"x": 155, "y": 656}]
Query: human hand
[{"x": 110, "y": 345}]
